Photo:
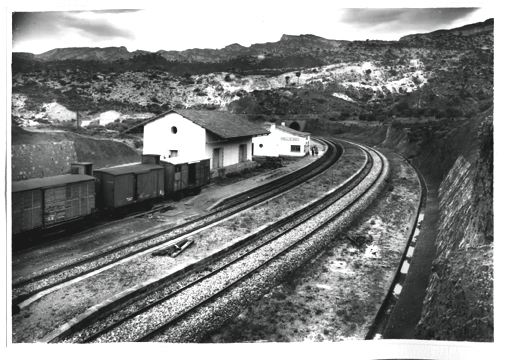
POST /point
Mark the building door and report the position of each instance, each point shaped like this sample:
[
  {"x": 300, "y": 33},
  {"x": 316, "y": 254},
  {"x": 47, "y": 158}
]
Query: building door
[
  {"x": 243, "y": 154},
  {"x": 217, "y": 158}
]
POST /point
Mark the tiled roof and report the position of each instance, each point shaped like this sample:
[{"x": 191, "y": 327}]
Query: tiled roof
[
  {"x": 49, "y": 182},
  {"x": 129, "y": 169},
  {"x": 224, "y": 124}
]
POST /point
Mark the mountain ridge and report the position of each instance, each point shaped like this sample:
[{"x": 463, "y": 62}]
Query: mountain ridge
[{"x": 287, "y": 45}]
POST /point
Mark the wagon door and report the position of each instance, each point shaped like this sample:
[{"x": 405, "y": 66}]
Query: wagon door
[
  {"x": 169, "y": 178},
  {"x": 124, "y": 189},
  {"x": 55, "y": 204},
  {"x": 192, "y": 175},
  {"x": 160, "y": 186},
  {"x": 177, "y": 178},
  {"x": 145, "y": 185},
  {"x": 184, "y": 176}
]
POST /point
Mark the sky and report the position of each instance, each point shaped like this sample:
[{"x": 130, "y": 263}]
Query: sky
[{"x": 188, "y": 24}]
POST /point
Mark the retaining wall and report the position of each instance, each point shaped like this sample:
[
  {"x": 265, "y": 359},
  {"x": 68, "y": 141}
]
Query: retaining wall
[{"x": 40, "y": 160}]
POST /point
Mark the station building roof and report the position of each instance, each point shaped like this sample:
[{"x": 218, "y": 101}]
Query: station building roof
[{"x": 221, "y": 123}]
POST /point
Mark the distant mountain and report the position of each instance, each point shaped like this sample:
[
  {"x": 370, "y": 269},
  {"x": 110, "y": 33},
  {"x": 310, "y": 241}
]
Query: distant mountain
[
  {"x": 326, "y": 50},
  {"x": 85, "y": 53}
]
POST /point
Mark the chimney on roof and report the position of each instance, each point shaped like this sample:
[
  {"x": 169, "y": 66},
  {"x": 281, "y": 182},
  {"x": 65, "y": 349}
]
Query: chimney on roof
[{"x": 283, "y": 124}]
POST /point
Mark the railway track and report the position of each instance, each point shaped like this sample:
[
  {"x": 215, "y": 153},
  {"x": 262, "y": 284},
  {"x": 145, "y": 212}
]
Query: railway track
[
  {"x": 155, "y": 314},
  {"x": 30, "y": 289}
]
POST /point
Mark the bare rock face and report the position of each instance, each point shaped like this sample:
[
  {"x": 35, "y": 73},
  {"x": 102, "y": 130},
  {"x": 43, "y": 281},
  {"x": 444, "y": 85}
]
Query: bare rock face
[{"x": 459, "y": 299}]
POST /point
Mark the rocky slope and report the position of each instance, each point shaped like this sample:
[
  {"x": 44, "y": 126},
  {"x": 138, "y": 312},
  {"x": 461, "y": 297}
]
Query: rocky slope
[
  {"x": 459, "y": 299},
  {"x": 440, "y": 74},
  {"x": 340, "y": 84}
]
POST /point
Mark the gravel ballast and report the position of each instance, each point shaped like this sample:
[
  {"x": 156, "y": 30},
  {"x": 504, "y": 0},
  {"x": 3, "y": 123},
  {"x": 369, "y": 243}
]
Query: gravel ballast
[
  {"x": 132, "y": 329},
  {"x": 53, "y": 310}
]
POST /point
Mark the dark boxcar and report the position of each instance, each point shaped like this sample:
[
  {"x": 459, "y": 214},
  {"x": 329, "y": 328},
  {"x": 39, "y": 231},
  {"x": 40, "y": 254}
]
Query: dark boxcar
[
  {"x": 125, "y": 185},
  {"x": 204, "y": 176},
  {"x": 185, "y": 177},
  {"x": 175, "y": 177},
  {"x": 44, "y": 202},
  {"x": 198, "y": 174}
]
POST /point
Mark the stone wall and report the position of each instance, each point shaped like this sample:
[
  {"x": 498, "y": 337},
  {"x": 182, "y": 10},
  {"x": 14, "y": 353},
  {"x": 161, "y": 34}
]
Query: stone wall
[
  {"x": 459, "y": 300},
  {"x": 39, "y": 160}
]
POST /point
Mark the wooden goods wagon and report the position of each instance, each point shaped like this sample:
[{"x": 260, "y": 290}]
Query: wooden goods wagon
[
  {"x": 125, "y": 185},
  {"x": 202, "y": 174},
  {"x": 45, "y": 202},
  {"x": 185, "y": 177}
]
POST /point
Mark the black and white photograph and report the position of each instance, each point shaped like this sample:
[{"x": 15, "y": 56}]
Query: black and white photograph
[{"x": 251, "y": 175}]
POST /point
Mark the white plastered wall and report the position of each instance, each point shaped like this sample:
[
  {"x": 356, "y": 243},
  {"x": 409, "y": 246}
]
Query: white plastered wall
[
  {"x": 189, "y": 140},
  {"x": 230, "y": 150},
  {"x": 279, "y": 142}
]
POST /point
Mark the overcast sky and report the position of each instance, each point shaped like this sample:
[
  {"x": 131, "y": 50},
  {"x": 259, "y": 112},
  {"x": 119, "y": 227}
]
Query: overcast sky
[{"x": 214, "y": 24}]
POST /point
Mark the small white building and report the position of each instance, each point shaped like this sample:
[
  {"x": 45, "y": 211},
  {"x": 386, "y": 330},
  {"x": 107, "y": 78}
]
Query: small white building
[
  {"x": 193, "y": 135},
  {"x": 282, "y": 141}
]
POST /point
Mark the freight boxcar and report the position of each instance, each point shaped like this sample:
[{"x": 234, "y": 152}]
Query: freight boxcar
[
  {"x": 46, "y": 202},
  {"x": 131, "y": 184},
  {"x": 182, "y": 177}
]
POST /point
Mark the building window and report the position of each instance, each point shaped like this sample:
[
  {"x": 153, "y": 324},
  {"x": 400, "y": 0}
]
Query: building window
[
  {"x": 217, "y": 158},
  {"x": 295, "y": 148},
  {"x": 243, "y": 154},
  {"x": 173, "y": 129},
  {"x": 173, "y": 153}
]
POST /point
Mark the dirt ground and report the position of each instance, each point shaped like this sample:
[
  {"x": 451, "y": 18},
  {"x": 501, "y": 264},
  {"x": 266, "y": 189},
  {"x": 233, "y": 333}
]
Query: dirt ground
[{"x": 337, "y": 295}]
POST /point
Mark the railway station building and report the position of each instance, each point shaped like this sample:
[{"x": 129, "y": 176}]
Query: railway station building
[
  {"x": 193, "y": 135},
  {"x": 281, "y": 141}
]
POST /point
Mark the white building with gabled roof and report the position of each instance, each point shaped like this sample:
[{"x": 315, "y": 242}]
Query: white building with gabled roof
[
  {"x": 193, "y": 135},
  {"x": 281, "y": 141}
]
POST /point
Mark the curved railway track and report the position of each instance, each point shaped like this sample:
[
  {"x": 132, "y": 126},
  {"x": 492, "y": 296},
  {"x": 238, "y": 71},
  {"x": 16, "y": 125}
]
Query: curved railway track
[
  {"x": 145, "y": 315},
  {"x": 28, "y": 290}
]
